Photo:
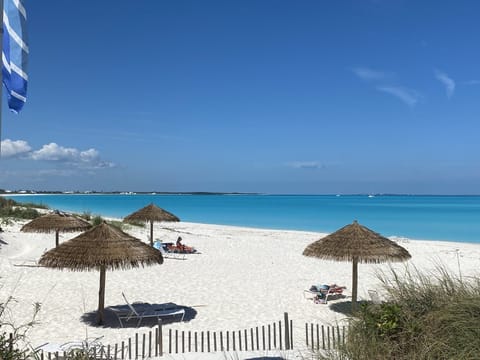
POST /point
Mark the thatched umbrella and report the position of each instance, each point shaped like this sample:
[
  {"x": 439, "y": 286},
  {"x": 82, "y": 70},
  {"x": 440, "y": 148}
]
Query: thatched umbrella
[
  {"x": 356, "y": 243},
  {"x": 151, "y": 213},
  {"x": 56, "y": 221},
  {"x": 100, "y": 248}
]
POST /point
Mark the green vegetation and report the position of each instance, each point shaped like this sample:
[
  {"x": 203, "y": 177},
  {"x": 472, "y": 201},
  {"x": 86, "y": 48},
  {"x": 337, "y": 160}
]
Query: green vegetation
[
  {"x": 86, "y": 215},
  {"x": 434, "y": 316},
  {"x": 97, "y": 220},
  {"x": 10, "y": 209},
  {"x": 12, "y": 336}
]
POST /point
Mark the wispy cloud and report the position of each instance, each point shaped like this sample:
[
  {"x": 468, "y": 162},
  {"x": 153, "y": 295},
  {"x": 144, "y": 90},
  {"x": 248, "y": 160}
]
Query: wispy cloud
[
  {"x": 447, "y": 81},
  {"x": 306, "y": 165},
  {"x": 85, "y": 159},
  {"x": 408, "y": 96},
  {"x": 368, "y": 74}
]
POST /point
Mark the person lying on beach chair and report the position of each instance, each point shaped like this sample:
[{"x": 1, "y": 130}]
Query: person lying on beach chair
[
  {"x": 179, "y": 244},
  {"x": 320, "y": 293},
  {"x": 170, "y": 248}
]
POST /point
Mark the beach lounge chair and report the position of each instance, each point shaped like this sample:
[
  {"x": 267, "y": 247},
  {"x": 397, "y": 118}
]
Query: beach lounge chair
[
  {"x": 166, "y": 250},
  {"x": 320, "y": 293},
  {"x": 140, "y": 311}
]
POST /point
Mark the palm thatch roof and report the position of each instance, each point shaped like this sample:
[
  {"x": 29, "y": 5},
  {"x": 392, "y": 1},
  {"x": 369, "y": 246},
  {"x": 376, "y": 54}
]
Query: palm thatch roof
[
  {"x": 356, "y": 241},
  {"x": 102, "y": 246},
  {"x": 151, "y": 213},
  {"x": 56, "y": 221}
]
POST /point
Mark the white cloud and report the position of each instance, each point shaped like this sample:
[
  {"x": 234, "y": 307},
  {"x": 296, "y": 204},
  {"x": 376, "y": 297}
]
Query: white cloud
[
  {"x": 447, "y": 81},
  {"x": 15, "y": 148},
  {"x": 55, "y": 152},
  {"x": 306, "y": 165},
  {"x": 408, "y": 96},
  {"x": 368, "y": 74},
  {"x": 89, "y": 155},
  {"x": 84, "y": 159}
]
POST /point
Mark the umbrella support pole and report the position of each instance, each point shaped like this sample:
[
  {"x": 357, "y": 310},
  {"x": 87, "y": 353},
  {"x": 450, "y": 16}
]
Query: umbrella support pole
[
  {"x": 354, "y": 283},
  {"x": 151, "y": 233},
  {"x": 56, "y": 238},
  {"x": 101, "y": 296}
]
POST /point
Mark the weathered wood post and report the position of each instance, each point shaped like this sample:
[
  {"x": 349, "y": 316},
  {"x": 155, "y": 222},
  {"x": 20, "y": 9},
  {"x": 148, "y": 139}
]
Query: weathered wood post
[{"x": 287, "y": 332}]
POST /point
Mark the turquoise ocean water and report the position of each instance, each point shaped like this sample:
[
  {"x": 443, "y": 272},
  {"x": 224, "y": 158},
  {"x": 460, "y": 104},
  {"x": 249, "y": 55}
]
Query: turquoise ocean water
[{"x": 450, "y": 218}]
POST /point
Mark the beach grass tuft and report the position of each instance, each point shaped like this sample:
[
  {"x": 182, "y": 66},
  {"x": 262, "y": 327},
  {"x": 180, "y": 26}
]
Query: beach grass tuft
[
  {"x": 10, "y": 209},
  {"x": 425, "y": 316}
]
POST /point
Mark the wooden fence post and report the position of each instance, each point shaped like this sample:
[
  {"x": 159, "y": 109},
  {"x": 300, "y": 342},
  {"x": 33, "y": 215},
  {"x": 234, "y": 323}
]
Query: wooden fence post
[
  {"x": 136, "y": 345},
  {"x": 176, "y": 341},
  {"x": 274, "y": 335},
  {"x": 160, "y": 337},
  {"x": 280, "y": 338},
  {"x": 291, "y": 334},
  {"x": 252, "y": 342},
  {"x": 183, "y": 341},
  {"x": 328, "y": 337},
  {"x": 287, "y": 332},
  {"x": 150, "y": 344},
  {"x": 311, "y": 335},
  {"x": 323, "y": 337},
  {"x": 306, "y": 334},
  {"x": 333, "y": 337}
]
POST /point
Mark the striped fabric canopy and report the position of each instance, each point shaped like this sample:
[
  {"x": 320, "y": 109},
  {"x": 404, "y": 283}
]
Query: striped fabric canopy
[{"x": 15, "y": 53}]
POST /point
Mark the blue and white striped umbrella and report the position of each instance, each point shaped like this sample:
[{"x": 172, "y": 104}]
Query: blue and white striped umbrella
[{"x": 15, "y": 53}]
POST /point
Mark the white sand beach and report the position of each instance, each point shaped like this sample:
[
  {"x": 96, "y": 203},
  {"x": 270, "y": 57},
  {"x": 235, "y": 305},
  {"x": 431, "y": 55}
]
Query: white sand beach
[{"x": 243, "y": 278}]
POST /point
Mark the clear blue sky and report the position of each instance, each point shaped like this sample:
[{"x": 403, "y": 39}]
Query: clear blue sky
[{"x": 269, "y": 96}]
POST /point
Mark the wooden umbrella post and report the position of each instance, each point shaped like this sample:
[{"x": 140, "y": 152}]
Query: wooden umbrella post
[
  {"x": 151, "y": 232},
  {"x": 101, "y": 296},
  {"x": 354, "y": 283},
  {"x": 57, "y": 238}
]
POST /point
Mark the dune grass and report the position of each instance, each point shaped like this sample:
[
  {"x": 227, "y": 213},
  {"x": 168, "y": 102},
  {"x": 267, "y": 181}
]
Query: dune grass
[
  {"x": 427, "y": 316},
  {"x": 10, "y": 209}
]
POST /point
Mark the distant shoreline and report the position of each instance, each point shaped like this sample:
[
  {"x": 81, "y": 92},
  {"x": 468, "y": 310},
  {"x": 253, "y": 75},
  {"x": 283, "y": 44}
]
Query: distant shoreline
[{"x": 207, "y": 193}]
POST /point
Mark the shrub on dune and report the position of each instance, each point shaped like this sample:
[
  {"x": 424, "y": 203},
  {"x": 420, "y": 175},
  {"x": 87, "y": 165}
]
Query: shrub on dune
[{"x": 434, "y": 316}]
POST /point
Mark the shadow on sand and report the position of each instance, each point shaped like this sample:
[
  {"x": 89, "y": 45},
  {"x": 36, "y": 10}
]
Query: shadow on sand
[
  {"x": 345, "y": 307},
  {"x": 111, "y": 320}
]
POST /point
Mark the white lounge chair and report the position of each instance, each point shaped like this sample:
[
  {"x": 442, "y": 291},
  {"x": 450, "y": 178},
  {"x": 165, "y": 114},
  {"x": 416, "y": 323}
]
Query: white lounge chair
[
  {"x": 321, "y": 293},
  {"x": 141, "y": 311}
]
